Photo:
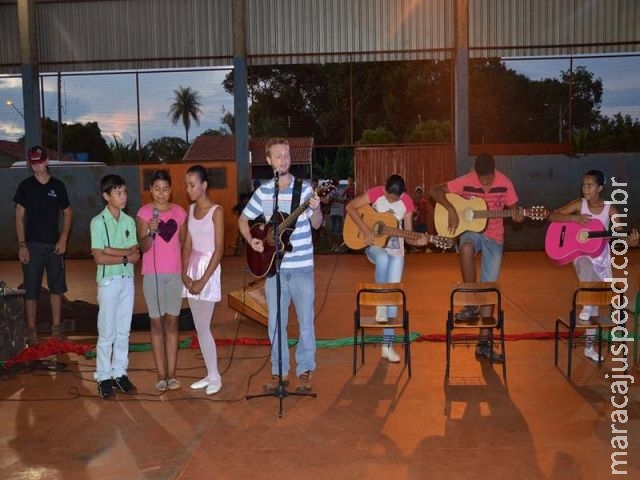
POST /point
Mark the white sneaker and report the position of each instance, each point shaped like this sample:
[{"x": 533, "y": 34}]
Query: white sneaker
[
  {"x": 584, "y": 316},
  {"x": 200, "y": 384},
  {"x": 213, "y": 387},
  {"x": 591, "y": 354},
  {"x": 388, "y": 353},
  {"x": 381, "y": 314}
]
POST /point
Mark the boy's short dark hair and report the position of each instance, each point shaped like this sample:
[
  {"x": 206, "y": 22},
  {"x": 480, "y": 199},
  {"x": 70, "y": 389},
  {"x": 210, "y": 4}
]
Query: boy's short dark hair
[
  {"x": 110, "y": 182},
  {"x": 395, "y": 185},
  {"x": 485, "y": 164}
]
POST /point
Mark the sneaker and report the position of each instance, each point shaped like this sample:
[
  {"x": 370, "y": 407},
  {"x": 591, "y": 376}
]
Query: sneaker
[
  {"x": 32, "y": 336},
  {"x": 57, "y": 333},
  {"x": 124, "y": 384},
  {"x": 483, "y": 350},
  {"x": 467, "y": 313},
  {"x": 105, "y": 389},
  {"x": 381, "y": 314},
  {"x": 173, "y": 384},
  {"x": 304, "y": 382},
  {"x": 591, "y": 354},
  {"x": 584, "y": 316},
  {"x": 272, "y": 385},
  {"x": 213, "y": 387},
  {"x": 161, "y": 385},
  {"x": 389, "y": 353}
]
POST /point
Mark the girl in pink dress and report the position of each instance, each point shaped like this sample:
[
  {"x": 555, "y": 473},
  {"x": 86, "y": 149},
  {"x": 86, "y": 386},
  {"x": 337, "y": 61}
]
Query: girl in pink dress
[{"x": 201, "y": 255}]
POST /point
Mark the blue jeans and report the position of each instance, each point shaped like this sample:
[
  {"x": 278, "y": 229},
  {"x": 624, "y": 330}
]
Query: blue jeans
[
  {"x": 299, "y": 287},
  {"x": 115, "y": 298},
  {"x": 388, "y": 270},
  {"x": 491, "y": 254}
]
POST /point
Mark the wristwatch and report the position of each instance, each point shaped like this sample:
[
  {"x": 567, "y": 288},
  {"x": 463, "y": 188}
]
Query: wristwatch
[{"x": 125, "y": 260}]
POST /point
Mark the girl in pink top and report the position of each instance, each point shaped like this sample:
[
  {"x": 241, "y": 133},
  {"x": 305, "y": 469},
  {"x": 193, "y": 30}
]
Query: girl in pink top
[
  {"x": 201, "y": 257},
  {"x": 589, "y": 269},
  {"x": 161, "y": 229}
]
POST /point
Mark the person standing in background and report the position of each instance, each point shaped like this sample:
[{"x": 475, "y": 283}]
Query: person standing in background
[
  {"x": 39, "y": 200},
  {"x": 161, "y": 227}
]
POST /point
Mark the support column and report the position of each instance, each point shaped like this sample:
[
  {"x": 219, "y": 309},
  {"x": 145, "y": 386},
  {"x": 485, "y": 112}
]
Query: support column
[
  {"x": 461, "y": 87},
  {"x": 30, "y": 73},
  {"x": 240, "y": 96}
]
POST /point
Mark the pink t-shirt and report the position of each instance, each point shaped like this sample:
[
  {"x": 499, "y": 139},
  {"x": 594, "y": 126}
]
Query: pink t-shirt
[
  {"x": 165, "y": 255},
  {"x": 500, "y": 195}
]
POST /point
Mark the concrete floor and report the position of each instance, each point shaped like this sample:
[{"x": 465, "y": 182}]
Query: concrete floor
[{"x": 377, "y": 424}]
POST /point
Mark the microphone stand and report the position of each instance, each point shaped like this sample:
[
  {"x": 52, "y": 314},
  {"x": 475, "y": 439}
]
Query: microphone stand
[{"x": 280, "y": 392}]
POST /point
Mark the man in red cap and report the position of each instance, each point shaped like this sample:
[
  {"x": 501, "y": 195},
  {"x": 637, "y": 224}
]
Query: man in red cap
[{"x": 39, "y": 200}]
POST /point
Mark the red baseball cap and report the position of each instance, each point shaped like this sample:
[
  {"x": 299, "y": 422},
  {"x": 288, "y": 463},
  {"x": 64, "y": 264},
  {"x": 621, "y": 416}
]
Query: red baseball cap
[{"x": 36, "y": 155}]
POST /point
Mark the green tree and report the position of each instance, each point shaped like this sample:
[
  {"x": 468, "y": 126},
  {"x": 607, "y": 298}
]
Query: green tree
[
  {"x": 377, "y": 136},
  {"x": 431, "y": 131},
  {"x": 165, "y": 149},
  {"x": 122, "y": 152},
  {"x": 186, "y": 106},
  {"x": 77, "y": 138}
]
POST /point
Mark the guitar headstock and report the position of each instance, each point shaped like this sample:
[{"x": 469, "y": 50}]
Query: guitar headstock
[
  {"x": 442, "y": 242},
  {"x": 325, "y": 188},
  {"x": 536, "y": 212}
]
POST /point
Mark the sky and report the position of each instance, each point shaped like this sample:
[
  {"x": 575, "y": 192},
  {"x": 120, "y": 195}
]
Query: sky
[{"x": 110, "y": 99}]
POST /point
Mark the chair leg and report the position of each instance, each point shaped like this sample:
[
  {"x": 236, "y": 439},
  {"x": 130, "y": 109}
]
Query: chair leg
[
  {"x": 570, "y": 353},
  {"x": 635, "y": 336},
  {"x": 362, "y": 346},
  {"x": 407, "y": 349},
  {"x": 446, "y": 373},
  {"x": 556, "y": 340},
  {"x": 504, "y": 355},
  {"x": 355, "y": 348}
]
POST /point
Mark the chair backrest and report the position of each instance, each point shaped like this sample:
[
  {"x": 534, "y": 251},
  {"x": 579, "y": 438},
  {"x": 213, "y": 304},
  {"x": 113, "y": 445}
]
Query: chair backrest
[
  {"x": 377, "y": 294},
  {"x": 475, "y": 293},
  {"x": 592, "y": 293}
]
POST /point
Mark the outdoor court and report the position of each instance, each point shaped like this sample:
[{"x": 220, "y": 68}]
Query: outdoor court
[{"x": 375, "y": 425}]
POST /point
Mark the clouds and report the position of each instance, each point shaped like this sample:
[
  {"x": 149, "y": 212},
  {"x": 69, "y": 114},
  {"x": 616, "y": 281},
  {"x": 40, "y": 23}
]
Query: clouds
[{"x": 110, "y": 100}]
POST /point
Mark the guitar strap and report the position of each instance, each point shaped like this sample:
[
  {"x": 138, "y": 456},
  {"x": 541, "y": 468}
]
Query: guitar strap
[{"x": 297, "y": 191}]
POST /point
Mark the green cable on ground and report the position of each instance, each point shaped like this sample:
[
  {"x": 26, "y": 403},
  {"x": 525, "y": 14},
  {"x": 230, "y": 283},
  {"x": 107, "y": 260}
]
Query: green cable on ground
[{"x": 331, "y": 343}]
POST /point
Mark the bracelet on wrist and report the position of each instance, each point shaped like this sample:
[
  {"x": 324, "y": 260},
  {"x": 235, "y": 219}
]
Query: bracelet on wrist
[{"x": 22, "y": 244}]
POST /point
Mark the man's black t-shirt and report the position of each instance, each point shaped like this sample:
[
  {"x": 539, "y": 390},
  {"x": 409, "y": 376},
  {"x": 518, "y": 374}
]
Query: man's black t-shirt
[{"x": 42, "y": 204}]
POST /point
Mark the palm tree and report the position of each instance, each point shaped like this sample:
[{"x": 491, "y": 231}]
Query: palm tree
[{"x": 186, "y": 105}]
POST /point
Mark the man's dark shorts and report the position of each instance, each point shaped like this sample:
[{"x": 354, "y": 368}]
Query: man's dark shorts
[{"x": 43, "y": 258}]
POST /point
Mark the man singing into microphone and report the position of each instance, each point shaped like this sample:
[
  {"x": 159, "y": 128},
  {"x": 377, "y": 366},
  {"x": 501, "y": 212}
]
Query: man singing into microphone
[{"x": 296, "y": 270}]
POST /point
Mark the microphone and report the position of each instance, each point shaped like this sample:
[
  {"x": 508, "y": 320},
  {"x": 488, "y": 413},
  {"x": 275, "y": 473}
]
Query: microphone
[
  {"x": 276, "y": 174},
  {"x": 156, "y": 214}
]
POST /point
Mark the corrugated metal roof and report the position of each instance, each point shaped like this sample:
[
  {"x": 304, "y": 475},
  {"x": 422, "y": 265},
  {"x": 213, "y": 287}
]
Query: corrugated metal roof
[
  {"x": 321, "y": 31},
  {"x": 553, "y": 27},
  {"x": 88, "y": 35},
  {"x": 207, "y": 148}
]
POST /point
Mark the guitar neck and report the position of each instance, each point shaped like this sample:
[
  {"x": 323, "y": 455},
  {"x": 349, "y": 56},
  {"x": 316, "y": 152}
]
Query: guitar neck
[
  {"x": 496, "y": 213},
  {"x": 608, "y": 234},
  {"x": 398, "y": 232},
  {"x": 293, "y": 216}
]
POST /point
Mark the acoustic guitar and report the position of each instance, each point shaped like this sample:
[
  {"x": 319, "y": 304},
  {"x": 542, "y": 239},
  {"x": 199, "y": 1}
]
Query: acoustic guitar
[
  {"x": 566, "y": 241},
  {"x": 263, "y": 263},
  {"x": 473, "y": 214},
  {"x": 384, "y": 225}
]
